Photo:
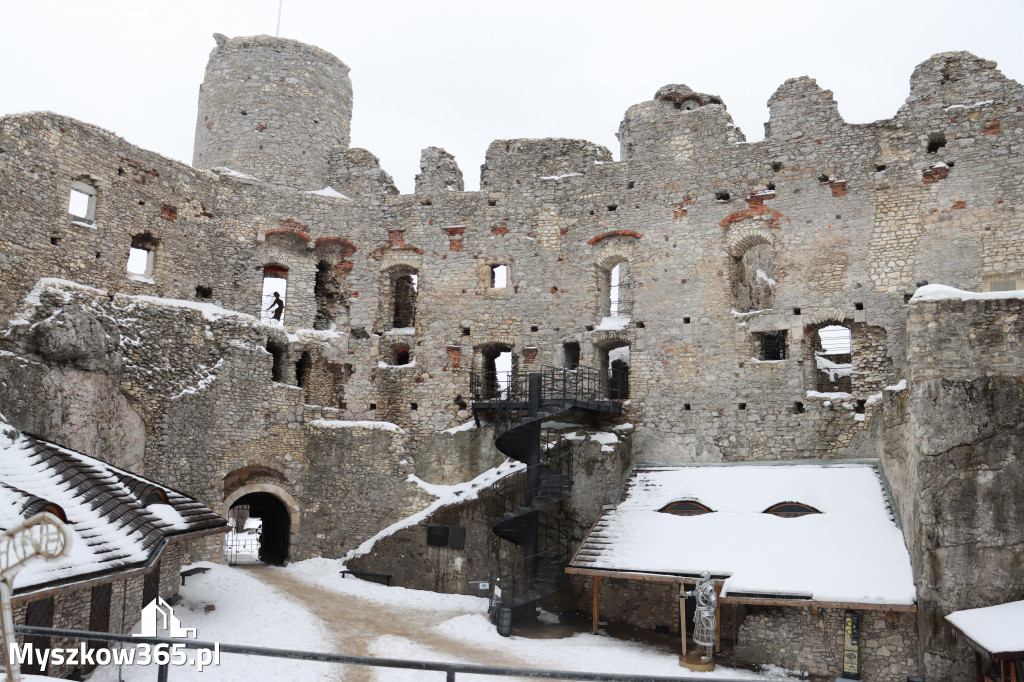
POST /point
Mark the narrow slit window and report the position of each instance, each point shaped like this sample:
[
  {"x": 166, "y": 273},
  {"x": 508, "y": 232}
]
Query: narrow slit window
[{"x": 499, "y": 276}]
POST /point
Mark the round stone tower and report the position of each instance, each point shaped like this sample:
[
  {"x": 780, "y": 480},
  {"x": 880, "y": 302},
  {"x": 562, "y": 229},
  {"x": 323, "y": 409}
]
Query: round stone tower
[{"x": 274, "y": 109}]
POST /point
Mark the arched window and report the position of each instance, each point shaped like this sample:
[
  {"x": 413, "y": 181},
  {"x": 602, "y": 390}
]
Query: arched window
[
  {"x": 615, "y": 291},
  {"x": 833, "y": 358},
  {"x": 753, "y": 278},
  {"x": 789, "y": 510},
  {"x": 404, "y": 289},
  {"x": 686, "y": 508},
  {"x": 156, "y": 496},
  {"x": 332, "y": 304},
  {"x": 497, "y": 372},
  {"x": 275, "y": 293}
]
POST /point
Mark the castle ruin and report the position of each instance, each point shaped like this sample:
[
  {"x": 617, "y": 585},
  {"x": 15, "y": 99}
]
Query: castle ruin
[{"x": 702, "y": 268}]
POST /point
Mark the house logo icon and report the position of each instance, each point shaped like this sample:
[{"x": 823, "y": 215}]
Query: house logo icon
[{"x": 159, "y": 610}]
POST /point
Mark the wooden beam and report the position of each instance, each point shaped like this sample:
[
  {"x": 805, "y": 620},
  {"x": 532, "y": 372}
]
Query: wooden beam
[
  {"x": 594, "y": 609},
  {"x": 804, "y": 603},
  {"x": 718, "y": 615},
  {"x": 682, "y": 615}
]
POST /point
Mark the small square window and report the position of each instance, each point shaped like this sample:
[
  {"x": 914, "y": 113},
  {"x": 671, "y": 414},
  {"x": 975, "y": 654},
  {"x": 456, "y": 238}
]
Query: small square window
[
  {"x": 82, "y": 202},
  {"x": 140, "y": 262},
  {"x": 770, "y": 345}
]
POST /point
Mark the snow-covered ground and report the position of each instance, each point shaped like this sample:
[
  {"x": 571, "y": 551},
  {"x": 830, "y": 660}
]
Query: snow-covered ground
[{"x": 260, "y": 607}]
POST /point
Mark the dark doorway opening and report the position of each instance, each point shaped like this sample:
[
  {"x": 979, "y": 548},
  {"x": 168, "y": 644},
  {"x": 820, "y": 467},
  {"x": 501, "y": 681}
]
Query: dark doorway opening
[
  {"x": 39, "y": 614},
  {"x": 276, "y": 525}
]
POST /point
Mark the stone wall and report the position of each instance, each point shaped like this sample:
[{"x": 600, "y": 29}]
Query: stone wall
[
  {"x": 811, "y": 641},
  {"x": 406, "y": 556},
  {"x": 957, "y": 453},
  {"x": 186, "y": 396}
]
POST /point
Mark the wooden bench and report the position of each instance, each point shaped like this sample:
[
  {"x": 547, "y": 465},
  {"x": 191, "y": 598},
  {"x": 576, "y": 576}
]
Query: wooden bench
[
  {"x": 193, "y": 571},
  {"x": 386, "y": 577}
]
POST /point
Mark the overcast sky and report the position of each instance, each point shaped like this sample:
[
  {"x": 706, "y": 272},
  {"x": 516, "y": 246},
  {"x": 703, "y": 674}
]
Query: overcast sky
[{"x": 460, "y": 74}]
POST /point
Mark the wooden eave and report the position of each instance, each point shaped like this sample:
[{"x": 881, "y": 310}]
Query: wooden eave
[{"x": 751, "y": 601}]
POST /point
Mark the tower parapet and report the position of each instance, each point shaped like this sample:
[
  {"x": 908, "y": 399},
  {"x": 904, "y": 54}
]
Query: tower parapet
[{"x": 274, "y": 109}]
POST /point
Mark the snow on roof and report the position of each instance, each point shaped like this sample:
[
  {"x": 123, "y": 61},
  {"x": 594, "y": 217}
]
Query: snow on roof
[
  {"x": 938, "y": 292},
  {"x": 852, "y": 552},
  {"x": 110, "y": 525},
  {"x": 997, "y": 629}
]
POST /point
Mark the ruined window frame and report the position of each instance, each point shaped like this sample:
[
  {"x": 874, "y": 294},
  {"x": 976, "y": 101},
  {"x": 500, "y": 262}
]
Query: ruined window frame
[
  {"x": 763, "y": 342},
  {"x": 83, "y": 187},
  {"x": 147, "y": 243}
]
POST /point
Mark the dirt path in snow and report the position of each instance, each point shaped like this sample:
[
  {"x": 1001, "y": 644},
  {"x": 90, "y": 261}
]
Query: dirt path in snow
[{"x": 354, "y": 623}]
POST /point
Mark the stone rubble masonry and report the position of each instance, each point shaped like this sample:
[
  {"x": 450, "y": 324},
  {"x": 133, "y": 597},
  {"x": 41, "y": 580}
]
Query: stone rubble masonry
[
  {"x": 811, "y": 640},
  {"x": 953, "y": 459},
  {"x": 842, "y": 222}
]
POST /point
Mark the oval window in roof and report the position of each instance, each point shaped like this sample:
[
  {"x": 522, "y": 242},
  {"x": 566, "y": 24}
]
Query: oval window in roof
[
  {"x": 56, "y": 510},
  {"x": 686, "y": 508},
  {"x": 156, "y": 496},
  {"x": 789, "y": 510}
]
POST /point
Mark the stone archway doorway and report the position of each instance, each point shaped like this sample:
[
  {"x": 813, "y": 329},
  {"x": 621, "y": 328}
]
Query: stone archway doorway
[{"x": 276, "y": 525}]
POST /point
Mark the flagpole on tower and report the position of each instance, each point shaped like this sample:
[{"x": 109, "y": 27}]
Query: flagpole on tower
[{"x": 278, "y": 34}]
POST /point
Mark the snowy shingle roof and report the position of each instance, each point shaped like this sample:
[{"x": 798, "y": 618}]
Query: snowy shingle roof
[
  {"x": 852, "y": 552},
  {"x": 112, "y": 529}
]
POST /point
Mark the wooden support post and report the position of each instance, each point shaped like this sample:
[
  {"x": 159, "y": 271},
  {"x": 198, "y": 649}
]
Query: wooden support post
[
  {"x": 718, "y": 616},
  {"x": 977, "y": 667},
  {"x": 682, "y": 614},
  {"x": 594, "y": 609}
]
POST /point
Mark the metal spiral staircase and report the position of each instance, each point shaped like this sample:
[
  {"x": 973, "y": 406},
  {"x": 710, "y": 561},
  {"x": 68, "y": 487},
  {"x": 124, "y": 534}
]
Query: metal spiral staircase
[{"x": 522, "y": 501}]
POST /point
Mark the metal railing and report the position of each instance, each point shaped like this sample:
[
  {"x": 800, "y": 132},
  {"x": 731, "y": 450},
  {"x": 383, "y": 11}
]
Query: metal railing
[
  {"x": 554, "y": 471},
  {"x": 449, "y": 669},
  {"x": 557, "y": 383}
]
